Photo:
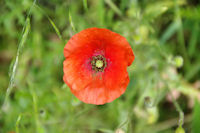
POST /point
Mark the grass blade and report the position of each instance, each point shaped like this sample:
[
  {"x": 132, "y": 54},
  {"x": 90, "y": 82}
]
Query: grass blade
[
  {"x": 105, "y": 130},
  {"x": 14, "y": 64},
  {"x": 194, "y": 69},
  {"x": 193, "y": 39},
  {"x": 55, "y": 28},
  {"x": 39, "y": 127},
  {"x": 52, "y": 23},
  {"x": 180, "y": 36},
  {"x": 71, "y": 22},
  {"x": 16, "y": 61},
  {"x": 195, "y": 117},
  {"x": 114, "y": 7},
  {"x": 85, "y": 5},
  {"x": 17, "y": 123},
  {"x": 171, "y": 30}
]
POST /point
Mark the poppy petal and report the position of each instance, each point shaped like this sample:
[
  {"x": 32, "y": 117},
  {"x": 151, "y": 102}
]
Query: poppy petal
[{"x": 88, "y": 84}]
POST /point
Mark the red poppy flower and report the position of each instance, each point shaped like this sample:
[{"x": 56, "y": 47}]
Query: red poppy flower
[{"x": 96, "y": 63}]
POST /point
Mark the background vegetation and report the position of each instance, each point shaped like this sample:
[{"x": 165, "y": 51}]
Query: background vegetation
[{"x": 164, "y": 78}]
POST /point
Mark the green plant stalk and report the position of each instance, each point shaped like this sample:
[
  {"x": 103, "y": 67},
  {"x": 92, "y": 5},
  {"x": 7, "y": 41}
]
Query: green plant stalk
[
  {"x": 166, "y": 124},
  {"x": 25, "y": 31},
  {"x": 71, "y": 22},
  {"x": 193, "y": 39},
  {"x": 17, "y": 123},
  {"x": 182, "y": 45},
  {"x": 181, "y": 40},
  {"x": 16, "y": 62},
  {"x": 177, "y": 106},
  {"x": 39, "y": 128},
  {"x": 51, "y": 22},
  {"x": 85, "y": 5},
  {"x": 181, "y": 114},
  {"x": 114, "y": 7}
]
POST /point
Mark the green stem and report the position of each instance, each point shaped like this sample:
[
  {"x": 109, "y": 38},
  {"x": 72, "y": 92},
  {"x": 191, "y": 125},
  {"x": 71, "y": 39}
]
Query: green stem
[
  {"x": 17, "y": 123},
  {"x": 16, "y": 62},
  {"x": 25, "y": 31},
  {"x": 181, "y": 113},
  {"x": 177, "y": 106},
  {"x": 181, "y": 40},
  {"x": 52, "y": 23}
]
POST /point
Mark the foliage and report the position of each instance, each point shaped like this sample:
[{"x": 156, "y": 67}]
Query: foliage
[{"x": 164, "y": 78}]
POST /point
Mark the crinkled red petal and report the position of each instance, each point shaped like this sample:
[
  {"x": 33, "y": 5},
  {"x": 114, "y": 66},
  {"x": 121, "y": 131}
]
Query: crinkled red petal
[{"x": 101, "y": 87}]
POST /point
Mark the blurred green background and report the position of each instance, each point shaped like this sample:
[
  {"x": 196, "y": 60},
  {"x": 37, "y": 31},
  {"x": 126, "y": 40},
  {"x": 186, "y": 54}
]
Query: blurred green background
[{"x": 164, "y": 78}]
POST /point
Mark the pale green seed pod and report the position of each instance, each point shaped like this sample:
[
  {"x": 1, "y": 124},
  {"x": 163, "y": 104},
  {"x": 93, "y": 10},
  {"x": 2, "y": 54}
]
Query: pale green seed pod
[
  {"x": 180, "y": 130},
  {"x": 178, "y": 60}
]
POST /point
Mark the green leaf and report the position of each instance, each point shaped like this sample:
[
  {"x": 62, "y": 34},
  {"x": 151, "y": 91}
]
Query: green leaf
[
  {"x": 193, "y": 39},
  {"x": 114, "y": 7},
  {"x": 105, "y": 130},
  {"x": 17, "y": 123},
  {"x": 52, "y": 23},
  {"x": 85, "y": 5},
  {"x": 55, "y": 28},
  {"x": 170, "y": 31},
  {"x": 71, "y": 22},
  {"x": 14, "y": 65},
  {"x": 196, "y": 118}
]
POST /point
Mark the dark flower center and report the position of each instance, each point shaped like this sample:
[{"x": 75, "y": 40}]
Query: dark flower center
[{"x": 98, "y": 63}]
